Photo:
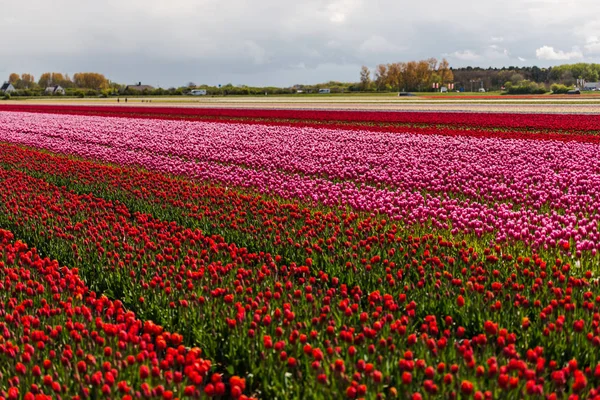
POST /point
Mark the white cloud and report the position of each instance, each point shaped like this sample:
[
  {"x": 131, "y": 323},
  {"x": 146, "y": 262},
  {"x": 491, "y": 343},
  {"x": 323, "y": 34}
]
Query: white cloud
[
  {"x": 464, "y": 55},
  {"x": 521, "y": 59},
  {"x": 548, "y": 53},
  {"x": 340, "y": 9},
  {"x": 337, "y": 17},
  {"x": 547, "y": 14},
  {"x": 497, "y": 39}
]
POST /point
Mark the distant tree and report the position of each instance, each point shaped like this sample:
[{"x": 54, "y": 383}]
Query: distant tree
[
  {"x": 567, "y": 78},
  {"x": 536, "y": 74},
  {"x": 90, "y": 80},
  {"x": 432, "y": 63},
  {"x": 423, "y": 75},
  {"x": 191, "y": 85},
  {"x": 58, "y": 79},
  {"x": 503, "y": 76},
  {"x": 560, "y": 89},
  {"x": 444, "y": 72},
  {"x": 45, "y": 80},
  {"x": 515, "y": 79},
  {"x": 115, "y": 87},
  {"x": 590, "y": 74},
  {"x": 53, "y": 78},
  {"x": 27, "y": 81},
  {"x": 13, "y": 78},
  {"x": 381, "y": 76},
  {"x": 525, "y": 87},
  {"x": 402, "y": 78},
  {"x": 410, "y": 76},
  {"x": 394, "y": 75},
  {"x": 67, "y": 82},
  {"x": 365, "y": 78}
]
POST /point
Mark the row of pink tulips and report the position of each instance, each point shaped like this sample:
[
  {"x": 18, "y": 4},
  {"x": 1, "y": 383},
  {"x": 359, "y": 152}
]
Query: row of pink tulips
[{"x": 541, "y": 193}]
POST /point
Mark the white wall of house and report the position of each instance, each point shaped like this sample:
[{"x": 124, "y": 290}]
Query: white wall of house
[{"x": 9, "y": 89}]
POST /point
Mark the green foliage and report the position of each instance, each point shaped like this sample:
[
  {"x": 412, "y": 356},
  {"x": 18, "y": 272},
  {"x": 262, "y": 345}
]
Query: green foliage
[
  {"x": 525, "y": 87},
  {"x": 589, "y": 72},
  {"x": 6, "y": 96},
  {"x": 558, "y": 88},
  {"x": 566, "y": 74}
]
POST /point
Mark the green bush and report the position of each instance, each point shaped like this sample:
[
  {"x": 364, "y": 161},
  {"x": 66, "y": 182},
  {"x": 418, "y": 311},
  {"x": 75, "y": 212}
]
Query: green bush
[
  {"x": 525, "y": 87},
  {"x": 560, "y": 89}
]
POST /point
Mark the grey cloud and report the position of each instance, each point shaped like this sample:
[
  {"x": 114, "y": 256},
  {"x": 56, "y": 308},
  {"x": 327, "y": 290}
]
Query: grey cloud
[{"x": 282, "y": 42}]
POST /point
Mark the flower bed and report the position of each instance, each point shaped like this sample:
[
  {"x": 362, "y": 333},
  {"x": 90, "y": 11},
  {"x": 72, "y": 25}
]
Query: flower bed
[{"x": 233, "y": 237}]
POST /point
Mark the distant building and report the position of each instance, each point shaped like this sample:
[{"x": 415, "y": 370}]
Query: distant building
[
  {"x": 324, "y": 91},
  {"x": 54, "y": 90},
  {"x": 139, "y": 87},
  {"x": 198, "y": 92},
  {"x": 591, "y": 86},
  {"x": 7, "y": 88}
]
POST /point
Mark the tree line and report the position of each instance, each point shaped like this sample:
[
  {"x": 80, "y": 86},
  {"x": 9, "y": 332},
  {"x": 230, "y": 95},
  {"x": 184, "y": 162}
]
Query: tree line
[
  {"x": 80, "y": 80},
  {"x": 420, "y": 75},
  {"x": 84, "y": 84},
  {"x": 496, "y": 78},
  {"x": 407, "y": 76},
  {"x": 398, "y": 76}
]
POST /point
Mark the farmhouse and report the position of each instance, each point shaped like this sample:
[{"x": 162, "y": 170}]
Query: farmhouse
[
  {"x": 139, "y": 87},
  {"x": 7, "y": 88},
  {"x": 54, "y": 90},
  {"x": 591, "y": 86}
]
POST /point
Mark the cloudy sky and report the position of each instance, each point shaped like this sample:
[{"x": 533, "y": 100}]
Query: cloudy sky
[{"x": 283, "y": 42}]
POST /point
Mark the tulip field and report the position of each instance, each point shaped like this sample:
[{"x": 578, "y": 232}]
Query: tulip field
[{"x": 164, "y": 253}]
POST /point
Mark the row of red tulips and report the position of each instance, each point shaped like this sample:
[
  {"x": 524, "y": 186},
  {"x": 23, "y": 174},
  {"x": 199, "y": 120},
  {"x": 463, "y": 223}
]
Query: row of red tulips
[
  {"x": 61, "y": 340},
  {"x": 417, "y": 316},
  {"x": 546, "y": 123}
]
